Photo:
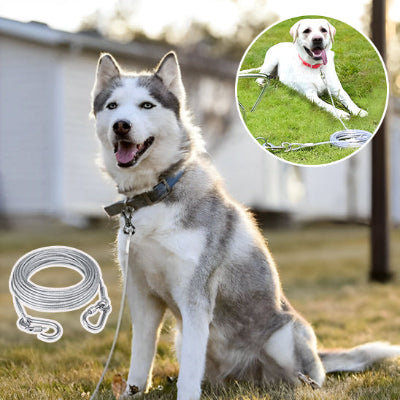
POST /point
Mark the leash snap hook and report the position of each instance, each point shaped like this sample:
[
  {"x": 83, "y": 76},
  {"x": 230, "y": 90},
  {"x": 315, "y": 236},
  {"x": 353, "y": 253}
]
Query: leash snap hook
[
  {"x": 286, "y": 146},
  {"x": 102, "y": 307},
  {"x": 127, "y": 213},
  {"x": 268, "y": 145},
  {"x": 45, "y": 330}
]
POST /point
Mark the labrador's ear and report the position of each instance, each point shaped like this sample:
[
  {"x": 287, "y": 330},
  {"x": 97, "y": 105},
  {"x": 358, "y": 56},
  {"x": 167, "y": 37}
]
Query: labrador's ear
[
  {"x": 332, "y": 31},
  {"x": 294, "y": 31}
]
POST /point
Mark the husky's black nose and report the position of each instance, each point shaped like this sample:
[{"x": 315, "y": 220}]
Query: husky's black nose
[{"x": 122, "y": 127}]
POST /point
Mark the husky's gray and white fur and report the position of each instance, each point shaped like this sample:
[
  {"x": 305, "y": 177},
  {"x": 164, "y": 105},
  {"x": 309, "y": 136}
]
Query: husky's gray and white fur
[{"x": 198, "y": 252}]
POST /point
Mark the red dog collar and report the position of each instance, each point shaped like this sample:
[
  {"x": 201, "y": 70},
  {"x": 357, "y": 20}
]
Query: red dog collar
[{"x": 309, "y": 65}]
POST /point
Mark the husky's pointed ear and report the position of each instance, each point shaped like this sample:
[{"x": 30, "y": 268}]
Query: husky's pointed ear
[
  {"x": 107, "y": 70},
  {"x": 169, "y": 72},
  {"x": 294, "y": 31}
]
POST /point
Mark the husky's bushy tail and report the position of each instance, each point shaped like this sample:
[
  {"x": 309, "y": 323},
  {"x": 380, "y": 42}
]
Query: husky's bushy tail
[{"x": 358, "y": 358}]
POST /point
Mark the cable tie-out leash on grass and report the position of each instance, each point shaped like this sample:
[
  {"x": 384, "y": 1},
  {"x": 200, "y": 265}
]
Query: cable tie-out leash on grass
[
  {"x": 41, "y": 298},
  {"x": 347, "y": 138},
  {"x": 343, "y": 139}
]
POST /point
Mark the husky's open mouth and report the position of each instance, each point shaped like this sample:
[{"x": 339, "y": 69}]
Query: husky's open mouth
[
  {"x": 317, "y": 53},
  {"x": 128, "y": 153}
]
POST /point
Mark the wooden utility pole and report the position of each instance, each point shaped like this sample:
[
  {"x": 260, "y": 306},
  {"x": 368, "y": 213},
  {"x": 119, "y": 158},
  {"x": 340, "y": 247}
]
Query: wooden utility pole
[{"x": 380, "y": 211}]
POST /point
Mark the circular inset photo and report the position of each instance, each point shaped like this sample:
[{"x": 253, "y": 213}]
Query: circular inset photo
[{"x": 312, "y": 90}]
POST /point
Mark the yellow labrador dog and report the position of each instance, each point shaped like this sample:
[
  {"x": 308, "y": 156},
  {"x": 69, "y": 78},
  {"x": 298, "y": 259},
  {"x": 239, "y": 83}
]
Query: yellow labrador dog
[{"x": 300, "y": 64}]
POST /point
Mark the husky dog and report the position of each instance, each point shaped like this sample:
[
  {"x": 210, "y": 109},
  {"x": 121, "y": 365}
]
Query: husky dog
[
  {"x": 299, "y": 65},
  {"x": 196, "y": 251}
]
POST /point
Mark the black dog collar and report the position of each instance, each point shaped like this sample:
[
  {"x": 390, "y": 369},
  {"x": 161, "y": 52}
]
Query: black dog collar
[{"x": 158, "y": 193}]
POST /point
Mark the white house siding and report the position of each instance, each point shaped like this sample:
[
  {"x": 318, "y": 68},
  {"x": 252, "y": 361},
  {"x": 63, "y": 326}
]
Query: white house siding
[
  {"x": 27, "y": 107},
  {"x": 343, "y": 190},
  {"x": 340, "y": 190},
  {"x": 48, "y": 145},
  {"x": 85, "y": 189},
  {"x": 252, "y": 176}
]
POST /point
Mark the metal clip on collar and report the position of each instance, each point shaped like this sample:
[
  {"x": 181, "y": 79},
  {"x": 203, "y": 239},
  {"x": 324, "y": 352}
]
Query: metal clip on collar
[{"x": 129, "y": 228}]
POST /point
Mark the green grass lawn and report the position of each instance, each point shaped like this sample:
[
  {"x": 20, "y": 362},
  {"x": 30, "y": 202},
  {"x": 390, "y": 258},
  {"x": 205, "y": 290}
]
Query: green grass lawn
[
  {"x": 283, "y": 115},
  {"x": 324, "y": 274}
]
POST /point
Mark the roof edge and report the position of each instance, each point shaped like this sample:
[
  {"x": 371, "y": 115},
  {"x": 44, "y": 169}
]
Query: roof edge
[{"x": 38, "y": 32}]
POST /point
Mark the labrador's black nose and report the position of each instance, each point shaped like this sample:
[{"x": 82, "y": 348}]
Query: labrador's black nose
[{"x": 317, "y": 41}]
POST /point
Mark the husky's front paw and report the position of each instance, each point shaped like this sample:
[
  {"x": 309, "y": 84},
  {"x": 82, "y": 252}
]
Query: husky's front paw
[
  {"x": 362, "y": 113},
  {"x": 188, "y": 392},
  {"x": 131, "y": 392}
]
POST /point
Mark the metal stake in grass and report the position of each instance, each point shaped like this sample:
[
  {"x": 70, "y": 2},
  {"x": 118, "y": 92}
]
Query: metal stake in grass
[{"x": 260, "y": 96}]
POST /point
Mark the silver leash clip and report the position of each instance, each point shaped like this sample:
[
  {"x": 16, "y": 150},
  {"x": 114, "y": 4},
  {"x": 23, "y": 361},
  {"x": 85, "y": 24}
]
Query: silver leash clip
[
  {"x": 103, "y": 307},
  {"x": 129, "y": 228},
  {"x": 286, "y": 146},
  {"x": 41, "y": 328}
]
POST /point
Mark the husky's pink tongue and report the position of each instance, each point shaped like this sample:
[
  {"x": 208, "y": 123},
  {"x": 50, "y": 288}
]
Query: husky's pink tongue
[{"x": 126, "y": 152}]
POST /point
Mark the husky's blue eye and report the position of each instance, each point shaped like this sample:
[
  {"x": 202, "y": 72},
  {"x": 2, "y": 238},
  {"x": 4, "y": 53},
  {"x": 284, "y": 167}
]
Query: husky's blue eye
[
  {"x": 111, "y": 106},
  {"x": 147, "y": 105}
]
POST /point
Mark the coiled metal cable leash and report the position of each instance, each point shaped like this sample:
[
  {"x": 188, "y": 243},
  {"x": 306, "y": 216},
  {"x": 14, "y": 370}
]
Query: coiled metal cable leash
[{"x": 41, "y": 298}]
